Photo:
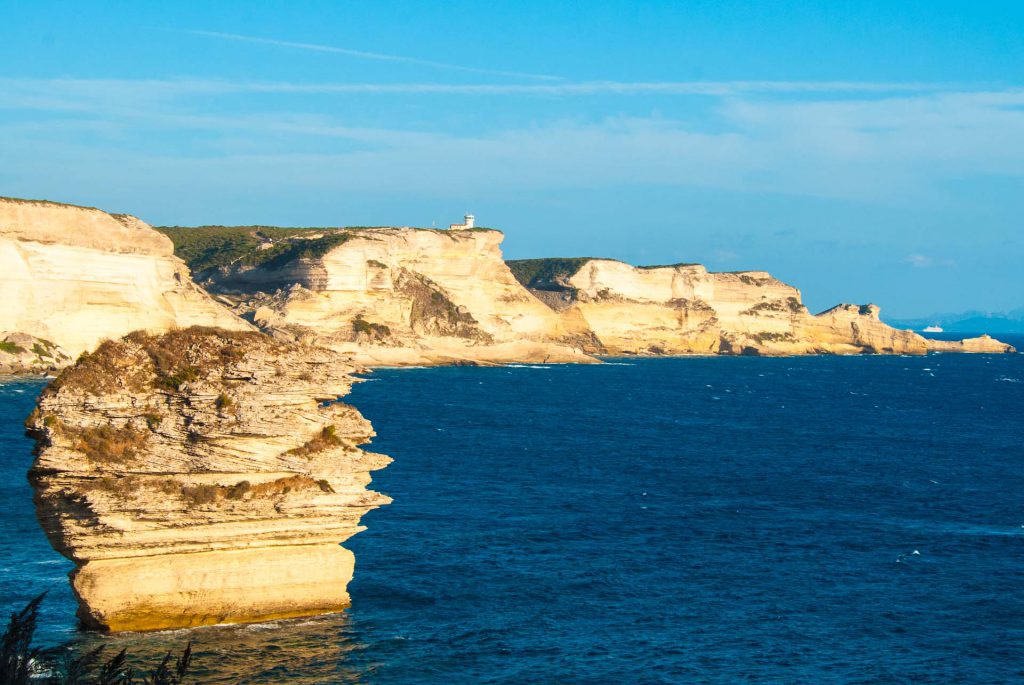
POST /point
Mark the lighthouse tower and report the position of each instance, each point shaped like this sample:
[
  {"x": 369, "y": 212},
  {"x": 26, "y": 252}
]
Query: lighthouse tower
[{"x": 469, "y": 222}]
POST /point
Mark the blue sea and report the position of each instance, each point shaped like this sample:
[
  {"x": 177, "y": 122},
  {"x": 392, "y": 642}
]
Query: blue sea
[{"x": 697, "y": 520}]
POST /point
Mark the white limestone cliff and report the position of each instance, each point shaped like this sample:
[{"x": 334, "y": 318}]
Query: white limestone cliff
[
  {"x": 393, "y": 296},
  {"x": 685, "y": 309},
  {"x": 75, "y": 276}
]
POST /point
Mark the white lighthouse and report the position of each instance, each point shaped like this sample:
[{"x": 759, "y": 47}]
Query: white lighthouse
[{"x": 469, "y": 222}]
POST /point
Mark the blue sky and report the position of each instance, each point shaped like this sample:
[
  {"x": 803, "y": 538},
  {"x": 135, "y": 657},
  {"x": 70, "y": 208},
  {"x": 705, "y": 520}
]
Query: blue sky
[{"x": 868, "y": 151}]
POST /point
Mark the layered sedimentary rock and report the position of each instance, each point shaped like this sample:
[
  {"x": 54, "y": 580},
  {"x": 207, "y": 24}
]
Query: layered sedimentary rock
[
  {"x": 685, "y": 309},
  {"x": 395, "y": 295},
  {"x": 75, "y": 276},
  {"x": 203, "y": 476}
]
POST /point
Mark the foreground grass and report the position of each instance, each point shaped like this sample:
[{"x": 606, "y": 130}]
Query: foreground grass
[{"x": 23, "y": 664}]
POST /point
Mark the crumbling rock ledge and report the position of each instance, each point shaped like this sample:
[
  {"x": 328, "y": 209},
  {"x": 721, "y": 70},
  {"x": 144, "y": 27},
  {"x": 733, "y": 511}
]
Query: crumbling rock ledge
[{"x": 203, "y": 476}]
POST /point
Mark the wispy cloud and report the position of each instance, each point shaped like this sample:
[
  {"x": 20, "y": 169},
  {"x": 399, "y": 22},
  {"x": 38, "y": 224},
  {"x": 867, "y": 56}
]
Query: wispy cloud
[
  {"x": 921, "y": 261},
  {"x": 45, "y": 89},
  {"x": 362, "y": 54},
  {"x": 897, "y": 144},
  {"x": 707, "y": 88}
]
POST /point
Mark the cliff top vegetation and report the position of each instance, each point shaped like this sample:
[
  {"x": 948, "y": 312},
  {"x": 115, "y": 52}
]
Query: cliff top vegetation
[
  {"x": 546, "y": 272},
  {"x": 210, "y": 247},
  {"x": 32, "y": 201},
  {"x": 554, "y": 272}
]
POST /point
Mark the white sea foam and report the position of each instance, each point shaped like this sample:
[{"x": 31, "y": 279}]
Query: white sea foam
[{"x": 525, "y": 366}]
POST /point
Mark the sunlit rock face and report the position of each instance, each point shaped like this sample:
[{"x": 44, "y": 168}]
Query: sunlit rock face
[
  {"x": 685, "y": 309},
  {"x": 408, "y": 296},
  {"x": 981, "y": 344},
  {"x": 203, "y": 476},
  {"x": 75, "y": 276}
]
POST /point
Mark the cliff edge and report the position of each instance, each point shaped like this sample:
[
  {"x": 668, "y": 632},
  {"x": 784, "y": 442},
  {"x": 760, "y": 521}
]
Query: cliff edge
[
  {"x": 685, "y": 309},
  {"x": 385, "y": 296},
  {"x": 202, "y": 476},
  {"x": 73, "y": 276}
]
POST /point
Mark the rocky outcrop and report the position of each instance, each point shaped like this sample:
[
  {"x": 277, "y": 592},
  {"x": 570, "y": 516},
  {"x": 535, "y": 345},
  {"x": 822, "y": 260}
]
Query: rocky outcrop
[
  {"x": 394, "y": 296},
  {"x": 685, "y": 309},
  {"x": 76, "y": 276},
  {"x": 202, "y": 476},
  {"x": 981, "y": 344},
  {"x": 21, "y": 353}
]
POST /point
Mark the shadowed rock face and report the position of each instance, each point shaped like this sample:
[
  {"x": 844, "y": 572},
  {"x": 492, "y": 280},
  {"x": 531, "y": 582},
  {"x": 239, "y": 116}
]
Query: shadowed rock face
[{"x": 203, "y": 476}]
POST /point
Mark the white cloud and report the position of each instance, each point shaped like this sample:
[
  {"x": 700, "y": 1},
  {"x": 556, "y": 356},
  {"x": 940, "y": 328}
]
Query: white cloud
[{"x": 867, "y": 142}]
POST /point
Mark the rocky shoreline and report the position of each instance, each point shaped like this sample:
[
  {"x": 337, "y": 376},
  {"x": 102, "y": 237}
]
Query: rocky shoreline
[{"x": 192, "y": 456}]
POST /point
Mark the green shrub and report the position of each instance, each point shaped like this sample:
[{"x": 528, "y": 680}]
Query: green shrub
[
  {"x": 327, "y": 438},
  {"x": 374, "y": 330},
  {"x": 10, "y": 347}
]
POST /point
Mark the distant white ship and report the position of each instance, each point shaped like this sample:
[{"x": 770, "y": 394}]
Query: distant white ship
[{"x": 933, "y": 329}]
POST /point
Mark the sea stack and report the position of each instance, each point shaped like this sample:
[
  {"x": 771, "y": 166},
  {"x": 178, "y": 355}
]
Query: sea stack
[{"x": 203, "y": 476}]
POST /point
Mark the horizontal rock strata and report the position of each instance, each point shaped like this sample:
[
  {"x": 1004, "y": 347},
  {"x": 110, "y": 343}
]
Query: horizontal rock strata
[{"x": 203, "y": 476}]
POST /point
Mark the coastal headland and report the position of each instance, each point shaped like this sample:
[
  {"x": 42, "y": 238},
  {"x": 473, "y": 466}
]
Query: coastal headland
[{"x": 193, "y": 457}]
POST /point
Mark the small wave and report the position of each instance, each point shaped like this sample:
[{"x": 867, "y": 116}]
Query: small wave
[
  {"x": 260, "y": 627},
  {"x": 1005, "y": 379},
  {"x": 525, "y": 366}
]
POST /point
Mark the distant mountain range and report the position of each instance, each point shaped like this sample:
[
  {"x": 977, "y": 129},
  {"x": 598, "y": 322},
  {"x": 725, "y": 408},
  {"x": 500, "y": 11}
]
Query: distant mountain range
[{"x": 968, "y": 322}]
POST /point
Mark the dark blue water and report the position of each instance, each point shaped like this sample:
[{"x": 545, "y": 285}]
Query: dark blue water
[{"x": 722, "y": 520}]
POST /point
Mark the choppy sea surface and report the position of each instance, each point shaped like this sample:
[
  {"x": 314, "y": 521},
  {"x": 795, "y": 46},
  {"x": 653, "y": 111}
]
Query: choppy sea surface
[{"x": 704, "y": 520}]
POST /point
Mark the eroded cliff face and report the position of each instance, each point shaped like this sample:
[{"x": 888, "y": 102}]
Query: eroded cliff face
[
  {"x": 406, "y": 296},
  {"x": 684, "y": 309},
  {"x": 203, "y": 476},
  {"x": 75, "y": 276}
]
